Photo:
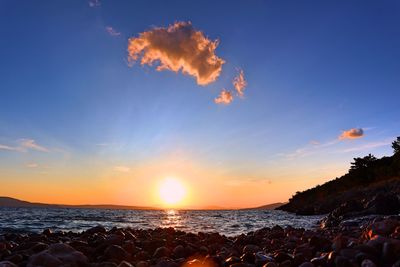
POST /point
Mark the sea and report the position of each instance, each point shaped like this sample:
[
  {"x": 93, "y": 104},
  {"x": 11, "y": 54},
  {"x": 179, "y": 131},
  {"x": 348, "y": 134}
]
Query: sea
[{"x": 227, "y": 222}]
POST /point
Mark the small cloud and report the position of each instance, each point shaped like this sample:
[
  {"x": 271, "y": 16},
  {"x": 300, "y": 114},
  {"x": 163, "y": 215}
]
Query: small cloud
[
  {"x": 179, "y": 48},
  {"x": 352, "y": 134},
  {"x": 31, "y": 144},
  {"x": 368, "y": 146},
  {"x": 121, "y": 168},
  {"x": 315, "y": 143},
  {"x": 8, "y": 148},
  {"x": 32, "y": 165},
  {"x": 239, "y": 83},
  {"x": 111, "y": 31},
  {"x": 94, "y": 3},
  {"x": 24, "y": 145},
  {"x": 225, "y": 98}
]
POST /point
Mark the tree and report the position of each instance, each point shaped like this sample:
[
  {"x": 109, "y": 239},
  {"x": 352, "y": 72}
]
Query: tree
[
  {"x": 396, "y": 146},
  {"x": 361, "y": 163}
]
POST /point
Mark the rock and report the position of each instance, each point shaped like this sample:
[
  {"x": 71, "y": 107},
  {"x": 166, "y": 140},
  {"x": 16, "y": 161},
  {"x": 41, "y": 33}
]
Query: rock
[
  {"x": 116, "y": 252},
  {"x": 306, "y": 264},
  {"x": 251, "y": 249},
  {"x": 319, "y": 261},
  {"x": 44, "y": 259},
  {"x": 281, "y": 257},
  {"x": 388, "y": 252},
  {"x": 107, "y": 264},
  {"x": 231, "y": 260},
  {"x": 341, "y": 261},
  {"x": 96, "y": 229},
  {"x": 179, "y": 252},
  {"x": 368, "y": 263},
  {"x": 384, "y": 203},
  {"x": 348, "y": 253},
  {"x": 7, "y": 264},
  {"x": 261, "y": 259},
  {"x": 142, "y": 264},
  {"x": 47, "y": 232},
  {"x": 114, "y": 239},
  {"x": 125, "y": 264},
  {"x": 286, "y": 263},
  {"x": 56, "y": 255},
  {"x": 384, "y": 228},
  {"x": 339, "y": 242},
  {"x": 15, "y": 258},
  {"x": 270, "y": 264},
  {"x": 39, "y": 246},
  {"x": 161, "y": 252}
]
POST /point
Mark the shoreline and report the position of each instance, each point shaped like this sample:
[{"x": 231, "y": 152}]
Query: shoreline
[{"x": 375, "y": 243}]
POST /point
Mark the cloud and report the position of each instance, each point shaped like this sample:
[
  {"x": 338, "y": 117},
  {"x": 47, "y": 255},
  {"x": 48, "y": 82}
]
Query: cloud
[
  {"x": 31, "y": 144},
  {"x": 24, "y": 145},
  {"x": 178, "y": 47},
  {"x": 94, "y": 3},
  {"x": 9, "y": 148},
  {"x": 225, "y": 97},
  {"x": 32, "y": 165},
  {"x": 239, "y": 83},
  {"x": 352, "y": 134},
  {"x": 368, "y": 146},
  {"x": 121, "y": 168},
  {"x": 111, "y": 31}
]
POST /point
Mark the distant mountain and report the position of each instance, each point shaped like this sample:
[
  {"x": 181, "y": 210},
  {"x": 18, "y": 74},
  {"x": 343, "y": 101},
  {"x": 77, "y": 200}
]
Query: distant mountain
[
  {"x": 271, "y": 206},
  {"x": 16, "y": 203}
]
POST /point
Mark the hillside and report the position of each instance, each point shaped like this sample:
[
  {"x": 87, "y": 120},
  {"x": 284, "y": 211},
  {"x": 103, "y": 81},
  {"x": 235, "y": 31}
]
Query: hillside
[
  {"x": 271, "y": 206},
  {"x": 371, "y": 186}
]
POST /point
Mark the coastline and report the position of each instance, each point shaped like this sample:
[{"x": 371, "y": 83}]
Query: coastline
[{"x": 373, "y": 243}]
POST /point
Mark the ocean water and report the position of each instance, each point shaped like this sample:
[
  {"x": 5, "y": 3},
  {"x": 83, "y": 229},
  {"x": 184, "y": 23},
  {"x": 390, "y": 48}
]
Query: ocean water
[{"x": 228, "y": 222}]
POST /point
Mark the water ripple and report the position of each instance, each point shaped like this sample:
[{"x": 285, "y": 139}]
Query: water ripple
[{"x": 226, "y": 222}]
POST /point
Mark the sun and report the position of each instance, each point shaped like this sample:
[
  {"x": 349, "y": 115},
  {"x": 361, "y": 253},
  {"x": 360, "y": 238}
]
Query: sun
[{"x": 171, "y": 191}]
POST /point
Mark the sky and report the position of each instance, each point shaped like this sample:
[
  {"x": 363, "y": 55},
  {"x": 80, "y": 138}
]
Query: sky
[{"x": 243, "y": 102}]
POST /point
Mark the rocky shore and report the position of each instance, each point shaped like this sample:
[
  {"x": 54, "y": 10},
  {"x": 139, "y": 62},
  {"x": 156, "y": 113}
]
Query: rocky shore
[{"x": 375, "y": 243}]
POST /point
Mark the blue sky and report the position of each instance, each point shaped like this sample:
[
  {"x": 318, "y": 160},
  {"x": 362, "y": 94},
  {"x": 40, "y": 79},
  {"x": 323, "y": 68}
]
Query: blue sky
[{"x": 313, "y": 68}]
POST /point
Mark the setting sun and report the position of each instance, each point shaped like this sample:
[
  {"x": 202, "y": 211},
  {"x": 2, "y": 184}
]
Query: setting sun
[{"x": 171, "y": 191}]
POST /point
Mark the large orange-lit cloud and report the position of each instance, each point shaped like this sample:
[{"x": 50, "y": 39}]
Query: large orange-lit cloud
[
  {"x": 352, "y": 134},
  {"x": 225, "y": 97},
  {"x": 240, "y": 83},
  {"x": 178, "y": 47}
]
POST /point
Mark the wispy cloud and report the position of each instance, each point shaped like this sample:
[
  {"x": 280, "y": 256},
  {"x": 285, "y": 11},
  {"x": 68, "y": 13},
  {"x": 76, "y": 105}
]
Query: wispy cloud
[
  {"x": 31, "y": 144},
  {"x": 111, "y": 31},
  {"x": 225, "y": 98},
  {"x": 239, "y": 83},
  {"x": 353, "y": 133},
  {"x": 24, "y": 145},
  {"x": 313, "y": 148},
  {"x": 9, "y": 148},
  {"x": 368, "y": 146},
  {"x": 121, "y": 168},
  {"x": 32, "y": 165},
  {"x": 94, "y": 3},
  {"x": 178, "y": 47}
]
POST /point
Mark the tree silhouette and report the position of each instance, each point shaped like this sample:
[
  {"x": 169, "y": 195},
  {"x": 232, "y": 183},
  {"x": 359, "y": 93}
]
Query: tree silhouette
[
  {"x": 396, "y": 146},
  {"x": 362, "y": 163}
]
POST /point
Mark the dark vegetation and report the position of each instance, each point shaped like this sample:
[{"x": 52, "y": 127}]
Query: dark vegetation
[{"x": 371, "y": 186}]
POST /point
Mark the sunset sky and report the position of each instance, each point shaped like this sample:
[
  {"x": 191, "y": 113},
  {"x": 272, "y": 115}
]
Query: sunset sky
[{"x": 243, "y": 102}]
